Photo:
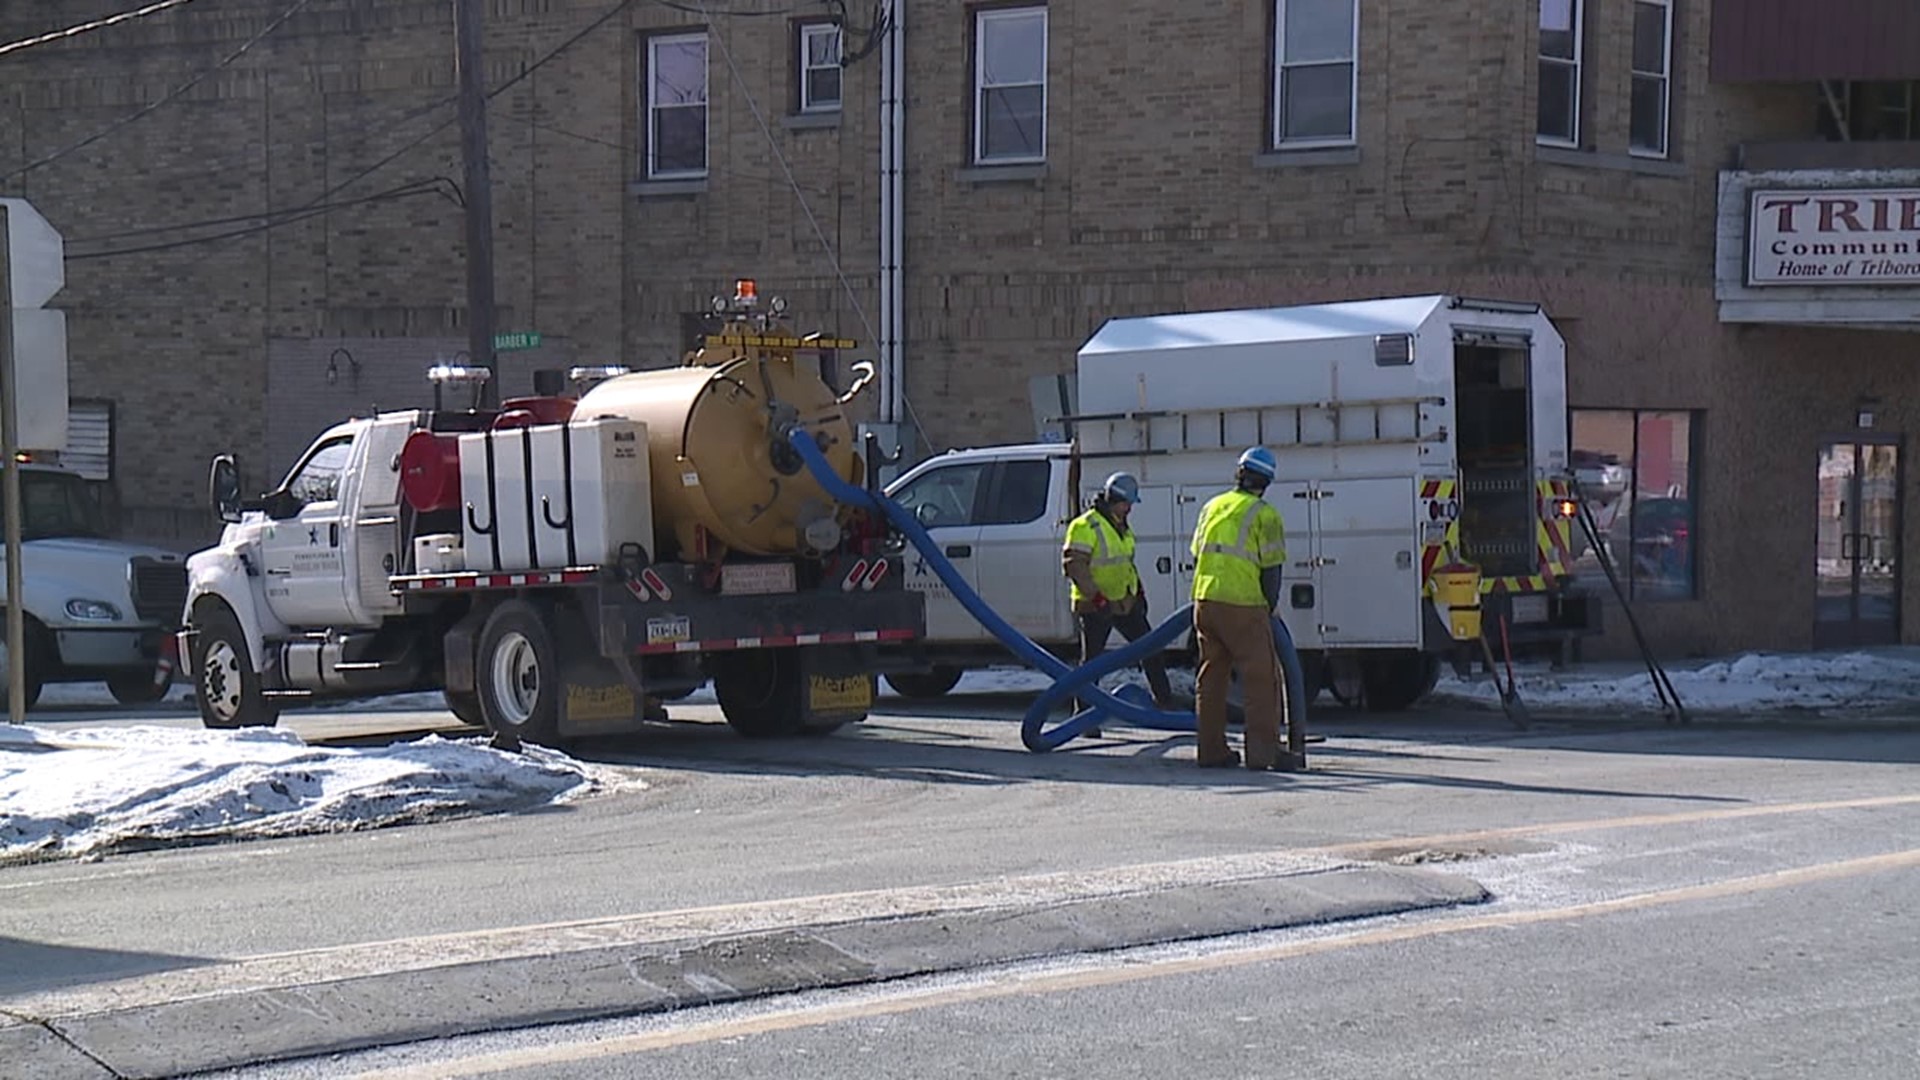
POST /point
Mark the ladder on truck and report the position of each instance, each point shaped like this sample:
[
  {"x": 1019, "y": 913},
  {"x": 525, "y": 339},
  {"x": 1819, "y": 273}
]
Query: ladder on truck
[{"x": 1354, "y": 423}]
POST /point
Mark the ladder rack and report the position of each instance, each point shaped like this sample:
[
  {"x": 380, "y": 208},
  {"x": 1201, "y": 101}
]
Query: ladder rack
[{"x": 1281, "y": 427}]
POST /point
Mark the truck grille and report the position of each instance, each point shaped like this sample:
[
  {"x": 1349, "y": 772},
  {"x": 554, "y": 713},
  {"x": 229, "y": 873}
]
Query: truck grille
[{"x": 159, "y": 590}]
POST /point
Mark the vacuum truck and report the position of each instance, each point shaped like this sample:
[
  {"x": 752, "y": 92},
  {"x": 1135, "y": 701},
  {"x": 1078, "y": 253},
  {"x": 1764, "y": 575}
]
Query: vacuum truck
[{"x": 561, "y": 565}]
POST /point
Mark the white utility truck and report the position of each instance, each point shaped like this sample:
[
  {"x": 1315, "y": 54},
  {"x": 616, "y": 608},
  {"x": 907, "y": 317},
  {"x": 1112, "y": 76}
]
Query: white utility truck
[
  {"x": 559, "y": 565},
  {"x": 96, "y": 610},
  {"x": 1412, "y": 433}
]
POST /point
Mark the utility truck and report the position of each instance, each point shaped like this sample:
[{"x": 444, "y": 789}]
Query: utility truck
[
  {"x": 95, "y": 609},
  {"x": 560, "y": 565},
  {"x": 1414, "y": 435}
]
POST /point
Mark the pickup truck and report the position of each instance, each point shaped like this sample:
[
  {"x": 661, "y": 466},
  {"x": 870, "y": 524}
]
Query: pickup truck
[{"x": 96, "y": 609}]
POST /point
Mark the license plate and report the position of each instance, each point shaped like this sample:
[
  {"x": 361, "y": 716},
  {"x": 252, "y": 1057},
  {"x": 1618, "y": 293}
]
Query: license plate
[
  {"x": 756, "y": 579},
  {"x": 670, "y": 630},
  {"x": 828, "y": 694},
  {"x": 1529, "y": 609}
]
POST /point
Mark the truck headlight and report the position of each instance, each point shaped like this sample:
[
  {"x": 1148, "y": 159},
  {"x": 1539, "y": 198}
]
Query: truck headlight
[{"x": 93, "y": 610}]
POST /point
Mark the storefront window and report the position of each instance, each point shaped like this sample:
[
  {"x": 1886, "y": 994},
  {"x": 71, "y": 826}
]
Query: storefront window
[{"x": 1636, "y": 471}]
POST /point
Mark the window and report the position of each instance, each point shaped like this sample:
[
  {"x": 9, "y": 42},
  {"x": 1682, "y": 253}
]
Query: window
[
  {"x": 819, "y": 68},
  {"x": 1019, "y": 493},
  {"x": 945, "y": 497},
  {"x": 1636, "y": 472},
  {"x": 317, "y": 479},
  {"x": 1652, "y": 77},
  {"x": 1314, "y": 82},
  {"x": 1561, "y": 53},
  {"x": 57, "y": 504},
  {"x": 1010, "y": 86},
  {"x": 676, "y": 106},
  {"x": 1869, "y": 111}
]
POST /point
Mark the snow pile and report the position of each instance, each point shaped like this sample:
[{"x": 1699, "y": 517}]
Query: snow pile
[
  {"x": 92, "y": 790},
  {"x": 1756, "y": 682}
]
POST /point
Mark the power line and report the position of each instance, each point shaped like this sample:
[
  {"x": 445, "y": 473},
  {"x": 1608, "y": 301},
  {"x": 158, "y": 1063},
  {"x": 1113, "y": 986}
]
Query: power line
[
  {"x": 97, "y": 24},
  {"x": 282, "y": 217},
  {"x": 171, "y": 95}
]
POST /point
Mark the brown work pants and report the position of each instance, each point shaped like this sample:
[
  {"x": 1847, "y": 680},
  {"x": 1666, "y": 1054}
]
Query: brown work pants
[{"x": 1237, "y": 636}]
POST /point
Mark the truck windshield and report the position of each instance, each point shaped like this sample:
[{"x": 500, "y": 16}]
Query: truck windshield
[{"x": 57, "y": 504}]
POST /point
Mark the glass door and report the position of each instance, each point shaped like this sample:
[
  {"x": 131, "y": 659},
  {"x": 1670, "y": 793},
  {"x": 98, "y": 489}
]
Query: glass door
[{"x": 1857, "y": 545}]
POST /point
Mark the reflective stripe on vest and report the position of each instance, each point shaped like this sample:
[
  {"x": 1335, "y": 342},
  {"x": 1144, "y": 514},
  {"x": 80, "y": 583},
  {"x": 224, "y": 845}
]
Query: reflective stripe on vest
[
  {"x": 1110, "y": 560},
  {"x": 1230, "y": 572}
]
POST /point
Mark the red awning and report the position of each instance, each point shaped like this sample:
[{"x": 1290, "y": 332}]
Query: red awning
[{"x": 1812, "y": 40}]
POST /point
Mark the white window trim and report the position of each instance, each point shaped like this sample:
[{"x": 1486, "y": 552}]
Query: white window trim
[
  {"x": 1279, "y": 79},
  {"x": 1579, "y": 66},
  {"x": 980, "y": 21},
  {"x": 1666, "y": 89},
  {"x": 807, "y": 105},
  {"x": 651, "y": 152}
]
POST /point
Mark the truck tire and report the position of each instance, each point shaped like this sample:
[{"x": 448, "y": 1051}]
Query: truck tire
[
  {"x": 924, "y": 685},
  {"x": 136, "y": 687},
  {"x": 760, "y": 691},
  {"x": 225, "y": 686},
  {"x": 35, "y": 668},
  {"x": 465, "y": 708},
  {"x": 1392, "y": 683},
  {"x": 518, "y": 676}
]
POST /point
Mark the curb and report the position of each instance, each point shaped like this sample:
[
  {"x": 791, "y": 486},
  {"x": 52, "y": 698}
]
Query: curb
[{"x": 293, "y": 1018}]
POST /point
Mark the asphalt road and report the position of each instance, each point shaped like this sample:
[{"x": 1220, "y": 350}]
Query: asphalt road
[{"x": 1567, "y": 815}]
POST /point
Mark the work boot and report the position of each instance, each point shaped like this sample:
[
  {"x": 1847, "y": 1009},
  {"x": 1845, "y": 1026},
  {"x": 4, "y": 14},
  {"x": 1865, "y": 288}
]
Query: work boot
[
  {"x": 1228, "y": 762},
  {"x": 1286, "y": 762}
]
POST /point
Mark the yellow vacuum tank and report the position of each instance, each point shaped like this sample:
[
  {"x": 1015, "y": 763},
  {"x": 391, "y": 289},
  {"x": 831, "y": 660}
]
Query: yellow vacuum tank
[{"x": 721, "y": 462}]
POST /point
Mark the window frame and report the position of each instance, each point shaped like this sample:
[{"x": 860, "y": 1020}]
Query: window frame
[
  {"x": 1277, "y": 98},
  {"x": 983, "y": 485},
  {"x": 804, "y": 104},
  {"x": 981, "y": 17},
  {"x": 649, "y": 153},
  {"x": 1001, "y": 480},
  {"x": 1578, "y": 64},
  {"x": 295, "y": 474},
  {"x": 1665, "y": 76},
  {"x": 1641, "y": 588}
]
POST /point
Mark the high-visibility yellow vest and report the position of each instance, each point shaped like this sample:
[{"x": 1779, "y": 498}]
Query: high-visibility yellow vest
[
  {"x": 1238, "y": 536},
  {"x": 1110, "y": 556}
]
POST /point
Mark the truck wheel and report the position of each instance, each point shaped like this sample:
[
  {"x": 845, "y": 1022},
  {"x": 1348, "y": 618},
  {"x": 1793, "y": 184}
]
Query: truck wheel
[
  {"x": 36, "y": 650},
  {"x": 136, "y": 687},
  {"x": 226, "y": 687},
  {"x": 1392, "y": 683},
  {"x": 928, "y": 684},
  {"x": 759, "y": 691},
  {"x": 466, "y": 708},
  {"x": 518, "y": 676}
]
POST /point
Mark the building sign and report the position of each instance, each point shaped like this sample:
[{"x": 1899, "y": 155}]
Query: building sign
[{"x": 1834, "y": 236}]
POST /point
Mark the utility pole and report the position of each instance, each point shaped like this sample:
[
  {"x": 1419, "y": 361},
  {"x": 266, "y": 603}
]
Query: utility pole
[
  {"x": 479, "y": 184},
  {"x": 10, "y": 482}
]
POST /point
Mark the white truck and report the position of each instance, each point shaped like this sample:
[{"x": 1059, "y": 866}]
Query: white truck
[
  {"x": 1410, "y": 432},
  {"x": 559, "y": 566},
  {"x": 96, "y": 609}
]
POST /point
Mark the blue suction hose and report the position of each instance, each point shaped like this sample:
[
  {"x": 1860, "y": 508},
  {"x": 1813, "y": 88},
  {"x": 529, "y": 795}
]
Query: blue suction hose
[{"x": 1131, "y": 703}]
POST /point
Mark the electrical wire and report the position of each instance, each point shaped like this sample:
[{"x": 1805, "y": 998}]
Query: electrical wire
[
  {"x": 171, "y": 95},
  {"x": 437, "y": 186},
  {"x": 97, "y": 24}
]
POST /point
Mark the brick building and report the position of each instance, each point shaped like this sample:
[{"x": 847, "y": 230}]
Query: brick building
[{"x": 1718, "y": 212}]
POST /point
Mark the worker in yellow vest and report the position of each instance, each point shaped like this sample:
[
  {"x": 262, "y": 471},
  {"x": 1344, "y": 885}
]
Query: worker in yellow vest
[
  {"x": 1238, "y": 549},
  {"x": 1098, "y": 560}
]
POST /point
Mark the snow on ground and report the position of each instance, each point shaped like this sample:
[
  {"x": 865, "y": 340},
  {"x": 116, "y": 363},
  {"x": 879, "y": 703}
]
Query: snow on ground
[
  {"x": 87, "y": 791},
  {"x": 1753, "y": 683}
]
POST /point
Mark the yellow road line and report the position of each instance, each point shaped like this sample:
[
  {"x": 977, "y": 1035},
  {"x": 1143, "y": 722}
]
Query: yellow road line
[{"x": 1014, "y": 985}]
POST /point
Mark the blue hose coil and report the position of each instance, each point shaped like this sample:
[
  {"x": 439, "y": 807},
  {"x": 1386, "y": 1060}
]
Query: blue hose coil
[{"x": 1132, "y": 703}]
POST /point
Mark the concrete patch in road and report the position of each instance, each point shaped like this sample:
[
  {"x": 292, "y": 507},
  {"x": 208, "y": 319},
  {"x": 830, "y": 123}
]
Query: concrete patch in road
[
  {"x": 291, "y": 1018},
  {"x": 31, "y": 1052}
]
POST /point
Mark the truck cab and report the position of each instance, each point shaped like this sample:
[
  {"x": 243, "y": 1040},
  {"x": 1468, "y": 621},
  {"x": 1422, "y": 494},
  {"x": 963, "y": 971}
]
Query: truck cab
[{"x": 96, "y": 609}]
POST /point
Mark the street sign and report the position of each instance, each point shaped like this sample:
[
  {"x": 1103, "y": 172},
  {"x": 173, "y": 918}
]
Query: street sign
[
  {"x": 37, "y": 257},
  {"x": 522, "y": 339},
  {"x": 40, "y": 366}
]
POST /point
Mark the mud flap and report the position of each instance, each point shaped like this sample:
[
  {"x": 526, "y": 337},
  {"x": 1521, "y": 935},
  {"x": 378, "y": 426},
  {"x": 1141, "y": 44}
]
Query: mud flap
[
  {"x": 838, "y": 685},
  {"x": 596, "y": 700}
]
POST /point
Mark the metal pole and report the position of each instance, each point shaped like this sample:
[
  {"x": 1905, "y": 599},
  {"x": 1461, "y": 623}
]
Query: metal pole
[
  {"x": 10, "y": 481},
  {"x": 479, "y": 184}
]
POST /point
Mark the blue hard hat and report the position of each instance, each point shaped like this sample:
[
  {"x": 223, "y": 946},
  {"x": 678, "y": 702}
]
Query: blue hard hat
[
  {"x": 1122, "y": 486},
  {"x": 1259, "y": 460}
]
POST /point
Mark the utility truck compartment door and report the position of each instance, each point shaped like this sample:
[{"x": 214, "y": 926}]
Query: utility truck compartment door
[{"x": 1366, "y": 556}]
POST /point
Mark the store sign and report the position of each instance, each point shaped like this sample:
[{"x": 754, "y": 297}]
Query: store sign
[{"x": 1834, "y": 236}]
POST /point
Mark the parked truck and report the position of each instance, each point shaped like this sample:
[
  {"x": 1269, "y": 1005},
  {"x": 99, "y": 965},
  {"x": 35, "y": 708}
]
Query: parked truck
[
  {"x": 1413, "y": 434},
  {"x": 96, "y": 610},
  {"x": 560, "y": 565}
]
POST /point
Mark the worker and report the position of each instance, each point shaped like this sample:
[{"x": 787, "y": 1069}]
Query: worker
[
  {"x": 1238, "y": 549},
  {"x": 1098, "y": 560}
]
